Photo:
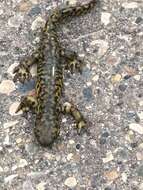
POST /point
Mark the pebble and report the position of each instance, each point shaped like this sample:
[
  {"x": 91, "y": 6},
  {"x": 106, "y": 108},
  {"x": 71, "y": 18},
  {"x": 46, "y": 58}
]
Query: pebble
[
  {"x": 69, "y": 156},
  {"x": 6, "y": 141},
  {"x": 41, "y": 186},
  {"x": 38, "y": 23},
  {"x": 34, "y": 11},
  {"x": 71, "y": 142},
  {"x": 13, "y": 108},
  {"x": 103, "y": 46},
  {"x": 72, "y": 2},
  {"x": 18, "y": 141},
  {"x": 22, "y": 163},
  {"x": 111, "y": 175},
  {"x": 95, "y": 78},
  {"x": 122, "y": 87},
  {"x": 141, "y": 186},
  {"x": 34, "y": 2},
  {"x": 124, "y": 177},
  {"x": 140, "y": 170},
  {"x": 15, "y": 21},
  {"x": 105, "y": 18},
  {"x": 87, "y": 92},
  {"x": 109, "y": 157},
  {"x": 136, "y": 128},
  {"x": 140, "y": 115},
  {"x": 10, "y": 124},
  {"x": 70, "y": 182},
  {"x": 27, "y": 185},
  {"x": 116, "y": 78},
  {"x": 131, "y": 5},
  {"x": 7, "y": 86},
  {"x": 137, "y": 77},
  {"x": 141, "y": 103},
  {"x": 139, "y": 155},
  {"x": 24, "y": 6},
  {"x": 1, "y": 169},
  {"x": 9, "y": 178}
]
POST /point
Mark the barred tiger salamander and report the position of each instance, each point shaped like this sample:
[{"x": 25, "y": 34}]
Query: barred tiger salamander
[{"x": 51, "y": 60}]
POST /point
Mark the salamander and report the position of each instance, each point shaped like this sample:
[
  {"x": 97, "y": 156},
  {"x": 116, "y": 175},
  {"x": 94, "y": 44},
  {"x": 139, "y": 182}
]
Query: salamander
[{"x": 51, "y": 60}]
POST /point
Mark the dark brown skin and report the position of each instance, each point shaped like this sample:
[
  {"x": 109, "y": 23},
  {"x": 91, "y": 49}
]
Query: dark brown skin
[{"x": 51, "y": 61}]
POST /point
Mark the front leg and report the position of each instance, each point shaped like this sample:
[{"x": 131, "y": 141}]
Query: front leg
[
  {"x": 75, "y": 113},
  {"x": 22, "y": 71},
  {"x": 71, "y": 61}
]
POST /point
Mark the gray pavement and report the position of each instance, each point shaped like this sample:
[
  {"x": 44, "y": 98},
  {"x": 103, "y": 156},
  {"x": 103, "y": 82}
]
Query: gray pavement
[{"x": 109, "y": 93}]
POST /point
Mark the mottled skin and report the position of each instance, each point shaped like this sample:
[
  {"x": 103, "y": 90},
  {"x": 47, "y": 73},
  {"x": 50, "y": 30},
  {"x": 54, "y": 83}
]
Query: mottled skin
[{"x": 51, "y": 61}]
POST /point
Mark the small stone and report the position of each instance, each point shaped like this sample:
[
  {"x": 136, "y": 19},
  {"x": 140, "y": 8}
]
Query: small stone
[
  {"x": 11, "y": 68},
  {"x": 7, "y": 86},
  {"x": 139, "y": 155},
  {"x": 9, "y": 178},
  {"x": 1, "y": 11},
  {"x": 70, "y": 182},
  {"x": 140, "y": 115},
  {"x": 10, "y": 124},
  {"x": 87, "y": 92},
  {"x": 38, "y": 23},
  {"x": 124, "y": 177},
  {"x": 122, "y": 87},
  {"x": 6, "y": 141},
  {"x": 113, "y": 60},
  {"x": 131, "y": 5},
  {"x": 1, "y": 169},
  {"x": 95, "y": 78},
  {"x": 102, "y": 45},
  {"x": 27, "y": 185},
  {"x": 137, "y": 77},
  {"x": 78, "y": 146},
  {"x": 136, "y": 128},
  {"x": 22, "y": 163},
  {"x": 18, "y": 141},
  {"x": 141, "y": 103},
  {"x": 141, "y": 186},
  {"x": 105, "y": 18},
  {"x": 138, "y": 20},
  {"x": 71, "y": 142},
  {"x": 72, "y": 2},
  {"x": 109, "y": 157},
  {"x": 24, "y": 6},
  {"x": 140, "y": 170},
  {"x": 34, "y": 2},
  {"x": 116, "y": 78},
  {"x": 111, "y": 175},
  {"x": 126, "y": 77},
  {"x": 13, "y": 108},
  {"x": 69, "y": 156},
  {"x": 140, "y": 146},
  {"x": 15, "y": 21},
  {"x": 41, "y": 186},
  {"x": 89, "y": 84},
  {"x": 34, "y": 11}
]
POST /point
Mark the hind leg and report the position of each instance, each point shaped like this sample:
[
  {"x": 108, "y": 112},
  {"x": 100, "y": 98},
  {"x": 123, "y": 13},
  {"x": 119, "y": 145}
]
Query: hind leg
[
  {"x": 28, "y": 103},
  {"x": 76, "y": 114}
]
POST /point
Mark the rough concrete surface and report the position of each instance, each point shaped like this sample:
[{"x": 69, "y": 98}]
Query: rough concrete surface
[{"x": 109, "y": 93}]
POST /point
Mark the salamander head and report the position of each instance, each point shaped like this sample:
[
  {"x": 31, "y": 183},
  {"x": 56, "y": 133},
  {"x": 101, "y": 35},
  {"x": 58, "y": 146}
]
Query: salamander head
[{"x": 46, "y": 134}]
